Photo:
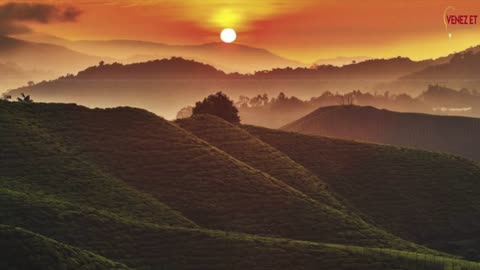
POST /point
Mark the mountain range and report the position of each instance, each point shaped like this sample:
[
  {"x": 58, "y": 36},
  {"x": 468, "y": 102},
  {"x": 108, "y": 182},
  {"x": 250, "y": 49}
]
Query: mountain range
[
  {"x": 170, "y": 84},
  {"x": 43, "y": 56},
  {"x": 227, "y": 57}
]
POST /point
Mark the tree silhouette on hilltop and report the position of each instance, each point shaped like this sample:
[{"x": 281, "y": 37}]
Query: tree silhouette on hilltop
[{"x": 220, "y": 105}]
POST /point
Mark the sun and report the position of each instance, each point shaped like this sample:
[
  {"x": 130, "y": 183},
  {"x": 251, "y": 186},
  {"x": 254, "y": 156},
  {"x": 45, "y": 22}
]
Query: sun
[{"x": 228, "y": 35}]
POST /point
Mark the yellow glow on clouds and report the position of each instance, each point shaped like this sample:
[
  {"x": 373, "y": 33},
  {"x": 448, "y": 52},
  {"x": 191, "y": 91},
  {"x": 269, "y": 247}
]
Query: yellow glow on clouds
[{"x": 238, "y": 14}]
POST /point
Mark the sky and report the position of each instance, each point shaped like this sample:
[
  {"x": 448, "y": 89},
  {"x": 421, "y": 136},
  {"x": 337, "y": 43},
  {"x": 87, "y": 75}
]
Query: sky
[{"x": 303, "y": 30}]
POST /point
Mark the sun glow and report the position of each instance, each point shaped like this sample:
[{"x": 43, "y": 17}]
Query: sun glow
[{"x": 228, "y": 35}]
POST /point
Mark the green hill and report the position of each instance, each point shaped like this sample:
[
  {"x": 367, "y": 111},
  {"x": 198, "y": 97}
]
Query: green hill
[
  {"x": 136, "y": 189},
  {"x": 240, "y": 144},
  {"x": 17, "y": 246},
  {"x": 213, "y": 189},
  {"x": 426, "y": 197},
  {"x": 450, "y": 134},
  {"x": 35, "y": 161},
  {"x": 148, "y": 246}
]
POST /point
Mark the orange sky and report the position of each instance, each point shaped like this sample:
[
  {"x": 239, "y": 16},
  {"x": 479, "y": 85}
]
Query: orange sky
[{"x": 303, "y": 30}]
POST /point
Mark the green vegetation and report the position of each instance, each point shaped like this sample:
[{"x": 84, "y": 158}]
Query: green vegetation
[
  {"x": 35, "y": 161},
  {"x": 22, "y": 249},
  {"x": 218, "y": 104},
  {"x": 240, "y": 144},
  {"x": 97, "y": 187},
  {"x": 426, "y": 197}
]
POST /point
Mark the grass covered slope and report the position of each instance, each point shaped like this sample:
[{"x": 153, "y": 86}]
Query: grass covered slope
[
  {"x": 426, "y": 197},
  {"x": 150, "y": 246},
  {"x": 450, "y": 134},
  {"x": 247, "y": 148},
  {"x": 138, "y": 190},
  {"x": 35, "y": 161},
  {"x": 25, "y": 250},
  {"x": 208, "y": 186}
]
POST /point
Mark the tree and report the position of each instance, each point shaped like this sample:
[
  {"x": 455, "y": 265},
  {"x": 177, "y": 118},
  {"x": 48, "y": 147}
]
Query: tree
[
  {"x": 185, "y": 112},
  {"x": 220, "y": 105},
  {"x": 31, "y": 83},
  {"x": 25, "y": 98}
]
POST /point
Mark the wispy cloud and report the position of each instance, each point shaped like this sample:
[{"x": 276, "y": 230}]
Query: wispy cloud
[{"x": 13, "y": 15}]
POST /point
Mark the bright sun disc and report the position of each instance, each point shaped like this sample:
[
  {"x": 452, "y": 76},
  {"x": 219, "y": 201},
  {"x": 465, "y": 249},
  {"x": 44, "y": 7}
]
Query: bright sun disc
[{"x": 228, "y": 35}]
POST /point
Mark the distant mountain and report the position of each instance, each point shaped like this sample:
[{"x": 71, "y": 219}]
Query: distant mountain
[
  {"x": 42, "y": 56},
  {"x": 446, "y": 59},
  {"x": 341, "y": 60},
  {"x": 227, "y": 57},
  {"x": 461, "y": 66},
  {"x": 450, "y": 101},
  {"x": 14, "y": 76},
  {"x": 459, "y": 70},
  {"x": 374, "y": 69},
  {"x": 430, "y": 132},
  {"x": 165, "y": 86}
]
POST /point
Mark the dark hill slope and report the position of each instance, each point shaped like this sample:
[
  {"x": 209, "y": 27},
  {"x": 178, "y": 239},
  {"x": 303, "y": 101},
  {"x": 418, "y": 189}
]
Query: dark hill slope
[
  {"x": 23, "y": 250},
  {"x": 450, "y": 134},
  {"x": 54, "y": 209},
  {"x": 426, "y": 197},
  {"x": 240, "y": 144},
  {"x": 35, "y": 161},
  {"x": 149, "y": 246},
  {"x": 207, "y": 185}
]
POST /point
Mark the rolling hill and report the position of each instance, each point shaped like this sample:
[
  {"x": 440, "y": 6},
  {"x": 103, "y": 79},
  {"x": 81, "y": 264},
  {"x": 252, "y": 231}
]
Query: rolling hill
[
  {"x": 227, "y": 57},
  {"x": 44, "y": 56},
  {"x": 178, "y": 169},
  {"x": 146, "y": 193},
  {"x": 422, "y": 196},
  {"x": 457, "y": 71},
  {"x": 17, "y": 246},
  {"x": 461, "y": 66},
  {"x": 450, "y": 134},
  {"x": 14, "y": 76},
  {"x": 165, "y": 86}
]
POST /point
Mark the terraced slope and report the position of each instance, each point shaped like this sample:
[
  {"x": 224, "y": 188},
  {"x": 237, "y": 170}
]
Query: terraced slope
[
  {"x": 35, "y": 161},
  {"x": 132, "y": 187},
  {"x": 24, "y": 250},
  {"x": 149, "y": 246},
  {"x": 426, "y": 197},
  {"x": 243, "y": 146},
  {"x": 208, "y": 186}
]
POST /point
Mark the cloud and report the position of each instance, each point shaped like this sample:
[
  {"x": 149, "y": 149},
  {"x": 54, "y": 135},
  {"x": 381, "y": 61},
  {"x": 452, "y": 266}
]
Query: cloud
[{"x": 14, "y": 15}]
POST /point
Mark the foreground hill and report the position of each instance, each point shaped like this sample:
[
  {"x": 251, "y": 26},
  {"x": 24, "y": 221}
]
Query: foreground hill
[
  {"x": 150, "y": 194},
  {"x": 26, "y": 250},
  {"x": 346, "y": 168},
  {"x": 450, "y": 134},
  {"x": 426, "y": 197},
  {"x": 208, "y": 186}
]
